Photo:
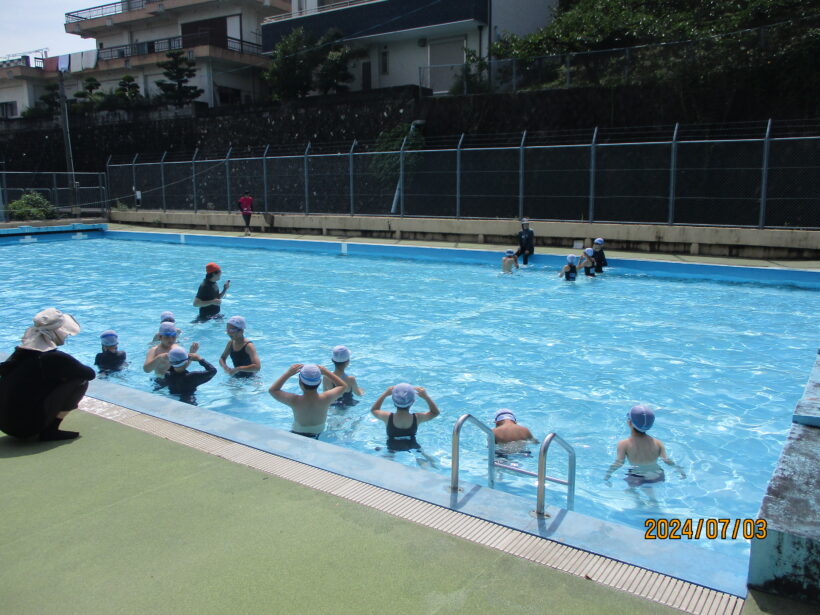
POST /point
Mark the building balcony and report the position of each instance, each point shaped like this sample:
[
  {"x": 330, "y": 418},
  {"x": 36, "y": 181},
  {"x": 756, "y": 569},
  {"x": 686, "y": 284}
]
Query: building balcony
[
  {"x": 89, "y": 22},
  {"x": 373, "y": 18},
  {"x": 187, "y": 41}
]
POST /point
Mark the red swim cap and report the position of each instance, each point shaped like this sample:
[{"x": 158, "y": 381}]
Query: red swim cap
[{"x": 212, "y": 268}]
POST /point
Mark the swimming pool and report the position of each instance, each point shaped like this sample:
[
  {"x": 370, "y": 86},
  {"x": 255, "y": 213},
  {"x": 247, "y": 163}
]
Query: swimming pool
[{"x": 723, "y": 362}]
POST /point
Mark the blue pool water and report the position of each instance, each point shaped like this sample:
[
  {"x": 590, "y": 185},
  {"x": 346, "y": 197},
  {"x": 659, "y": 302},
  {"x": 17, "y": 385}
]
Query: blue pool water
[{"x": 723, "y": 363}]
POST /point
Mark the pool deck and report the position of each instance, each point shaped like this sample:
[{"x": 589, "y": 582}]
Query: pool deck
[
  {"x": 677, "y": 258},
  {"x": 123, "y": 521}
]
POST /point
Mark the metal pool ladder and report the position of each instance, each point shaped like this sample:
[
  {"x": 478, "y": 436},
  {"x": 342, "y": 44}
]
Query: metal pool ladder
[{"x": 492, "y": 464}]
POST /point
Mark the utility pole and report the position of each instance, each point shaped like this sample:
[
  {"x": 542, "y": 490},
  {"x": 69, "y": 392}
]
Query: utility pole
[{"x": 69, "y": 156}]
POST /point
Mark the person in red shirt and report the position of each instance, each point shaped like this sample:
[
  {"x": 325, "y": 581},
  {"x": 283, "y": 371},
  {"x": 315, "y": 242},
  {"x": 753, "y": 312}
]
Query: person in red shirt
[{"x": 246, "y": 206}]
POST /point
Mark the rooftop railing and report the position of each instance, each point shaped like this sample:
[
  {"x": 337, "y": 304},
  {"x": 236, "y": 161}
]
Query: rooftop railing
[
  {"x": 179, "y": 42},
  {"x": 104, "y": 10},
  {"x": 312, "y": 11}
]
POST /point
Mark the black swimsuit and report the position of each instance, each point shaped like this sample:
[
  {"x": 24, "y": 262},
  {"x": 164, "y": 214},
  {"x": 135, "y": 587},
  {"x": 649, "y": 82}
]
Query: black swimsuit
[
  {"x": 401, "y": 432},
  {"x": 241, "y": 357},
  {"x": 570, "y": 275}
]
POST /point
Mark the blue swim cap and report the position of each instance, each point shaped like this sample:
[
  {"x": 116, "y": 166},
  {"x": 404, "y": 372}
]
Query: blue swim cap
[
  {"x": 310, "y": 375},
  {"x": 642, "y": 417},
  {"x": 168, "y": 329},
  {"x": 237, "y": 322},
  {"x": 510, "y": 253},
  {"x": 505, "y": 414},
  {"x": 404, "y": 395},
  {"x": 177, "y": 356},
  {"x": 589, "y": 251},
  {"x": 599, "y": 241},
  {"x": 109, "y": 338},
  {"x": 571, "y": 259},
  {"x": 167, "y": 317},
  {"x": 341, "y": 354}
]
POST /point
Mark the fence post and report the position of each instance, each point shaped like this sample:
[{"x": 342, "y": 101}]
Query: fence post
[
  {"x": 350, "y": 169},
  {"x": 162, "y": 180},
  {"x": 193, "y": 179},
  {"x": 228, "y": 177},
  {"x": 673, "y": 167},
  {"x": 592, "y": 174},
  {"x": 307, "y": 180},
  {"x": 764, "y": 179},
  {"x": 521, "y": 176},
  {"x": 265, "y": 175},
  {"x": 102, "y": 191},
  {"x": 515, "y": 75},
  {"x": 108, "y": 181},
  {"x": 566, "y": 71},
  {"x": 55, "y": 193},
  {"x": 401, "y": 177},
  {"x": 134, "y": 178},
  {"x": 458, "y": 176},
  {"x": 465, "y": 89}
]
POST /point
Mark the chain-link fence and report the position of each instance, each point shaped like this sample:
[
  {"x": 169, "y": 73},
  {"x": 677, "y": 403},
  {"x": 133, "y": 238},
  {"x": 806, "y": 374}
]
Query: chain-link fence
[
  {"x": 71, "y": 194},
  {"x": 761, "y": 181},
  {"x": 777, "y": 46}
]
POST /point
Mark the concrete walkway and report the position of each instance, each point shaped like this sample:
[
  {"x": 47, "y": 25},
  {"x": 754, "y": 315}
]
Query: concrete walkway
[{"x": 680, "y": 258}]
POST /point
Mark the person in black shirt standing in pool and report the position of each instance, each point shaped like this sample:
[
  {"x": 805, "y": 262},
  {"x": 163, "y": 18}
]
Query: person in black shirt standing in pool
[
  {"x": 179, "y": 380},
  {"x": 208, "y": 298},
  {"x": 526, "y": 241},
  {"x": 242, "y": 352}
]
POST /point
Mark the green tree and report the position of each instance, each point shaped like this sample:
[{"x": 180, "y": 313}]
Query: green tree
[
  {"x": 31, "y": 206},
  {"x": 294, "y": 58},
  {"x": 300, "y": 64},
  {"x": 178, "y": 70},
  {"x": 333, "y": 71},
  {"x": 128, "y": 89}
]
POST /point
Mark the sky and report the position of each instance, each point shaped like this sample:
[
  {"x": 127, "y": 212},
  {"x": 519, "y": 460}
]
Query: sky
[{"x": 33, "y": 24}]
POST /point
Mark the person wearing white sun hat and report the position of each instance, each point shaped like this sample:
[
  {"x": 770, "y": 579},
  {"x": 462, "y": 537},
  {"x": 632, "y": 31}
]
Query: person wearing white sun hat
[{"x": 40, "y": 385}]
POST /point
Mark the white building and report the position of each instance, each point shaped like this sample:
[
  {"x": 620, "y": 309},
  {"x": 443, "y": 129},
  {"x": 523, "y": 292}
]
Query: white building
[
  {"x": 129, "y": 38},
  {"x": 411, "y": 42}
]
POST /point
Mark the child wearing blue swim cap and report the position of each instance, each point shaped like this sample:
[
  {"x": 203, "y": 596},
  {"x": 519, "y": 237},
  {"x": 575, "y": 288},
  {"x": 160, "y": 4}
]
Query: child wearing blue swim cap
[
  {"x": 642, "y": 451},
  {"x": 111, "y": 359}
]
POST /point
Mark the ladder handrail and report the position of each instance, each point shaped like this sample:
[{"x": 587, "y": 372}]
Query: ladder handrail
[
  {"x": 455, "y": 450},
  {"x": 542, "y": 472},
  {"x": 492, "y": 463}
]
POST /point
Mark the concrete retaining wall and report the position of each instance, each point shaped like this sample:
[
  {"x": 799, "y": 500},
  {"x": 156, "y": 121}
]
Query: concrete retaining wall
[
  {"x": 787, "y": 561},
  {"x": 715, "y": 241}
]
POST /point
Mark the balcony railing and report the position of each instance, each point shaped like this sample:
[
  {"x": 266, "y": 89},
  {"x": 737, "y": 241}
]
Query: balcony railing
[
  {"x": 114, "y": 8},
  {"x": 179, "y": 42},
  {"x": 327, "y": 7}
]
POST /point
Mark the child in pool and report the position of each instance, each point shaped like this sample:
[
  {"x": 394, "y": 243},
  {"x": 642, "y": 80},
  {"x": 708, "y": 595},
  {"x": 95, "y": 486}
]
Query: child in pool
[
  {"x": 508, "y": 261},
  {"x": 642, "y": 451},
  {"x": 341, "y": 359},
  {"x": 598, "y": 255},
  {"x": 111, "y": 359},
  {"x": 403, "y": 424},
  {"x": 587, "y": 262},
  {"x": 569, "y": 271}
]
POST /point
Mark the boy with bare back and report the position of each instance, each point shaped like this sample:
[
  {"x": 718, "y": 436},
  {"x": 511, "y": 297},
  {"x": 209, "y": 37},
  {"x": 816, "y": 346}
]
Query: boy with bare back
[{"x": 642, "y": 451}]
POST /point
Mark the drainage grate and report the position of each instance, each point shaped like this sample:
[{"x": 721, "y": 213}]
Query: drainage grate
[{"x": 647, "y": 584}]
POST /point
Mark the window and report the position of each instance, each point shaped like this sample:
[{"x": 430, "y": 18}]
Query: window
[
  {"x": 8, "y": 109},
  {"x": 384, "y": 62}
]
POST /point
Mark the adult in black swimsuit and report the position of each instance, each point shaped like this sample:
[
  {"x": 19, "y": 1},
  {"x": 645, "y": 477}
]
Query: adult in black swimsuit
[
  {"x": 526, "y": 241},
  {"x": 179, "y": 380},
  {"x": 403, "y": 424},
  {"x": 598, "y": 255},
  {"x": 242, "y": 352},
  {"x": 40, "y": 385},
  {"x": 208, "y": 298}
]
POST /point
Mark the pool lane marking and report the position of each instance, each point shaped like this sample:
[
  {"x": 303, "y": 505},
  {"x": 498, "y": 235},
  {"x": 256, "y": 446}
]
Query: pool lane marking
[{"x": 654, "y": 586}]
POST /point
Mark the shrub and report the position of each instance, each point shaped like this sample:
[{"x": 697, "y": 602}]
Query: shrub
[{"x": 31, "y": 206}]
